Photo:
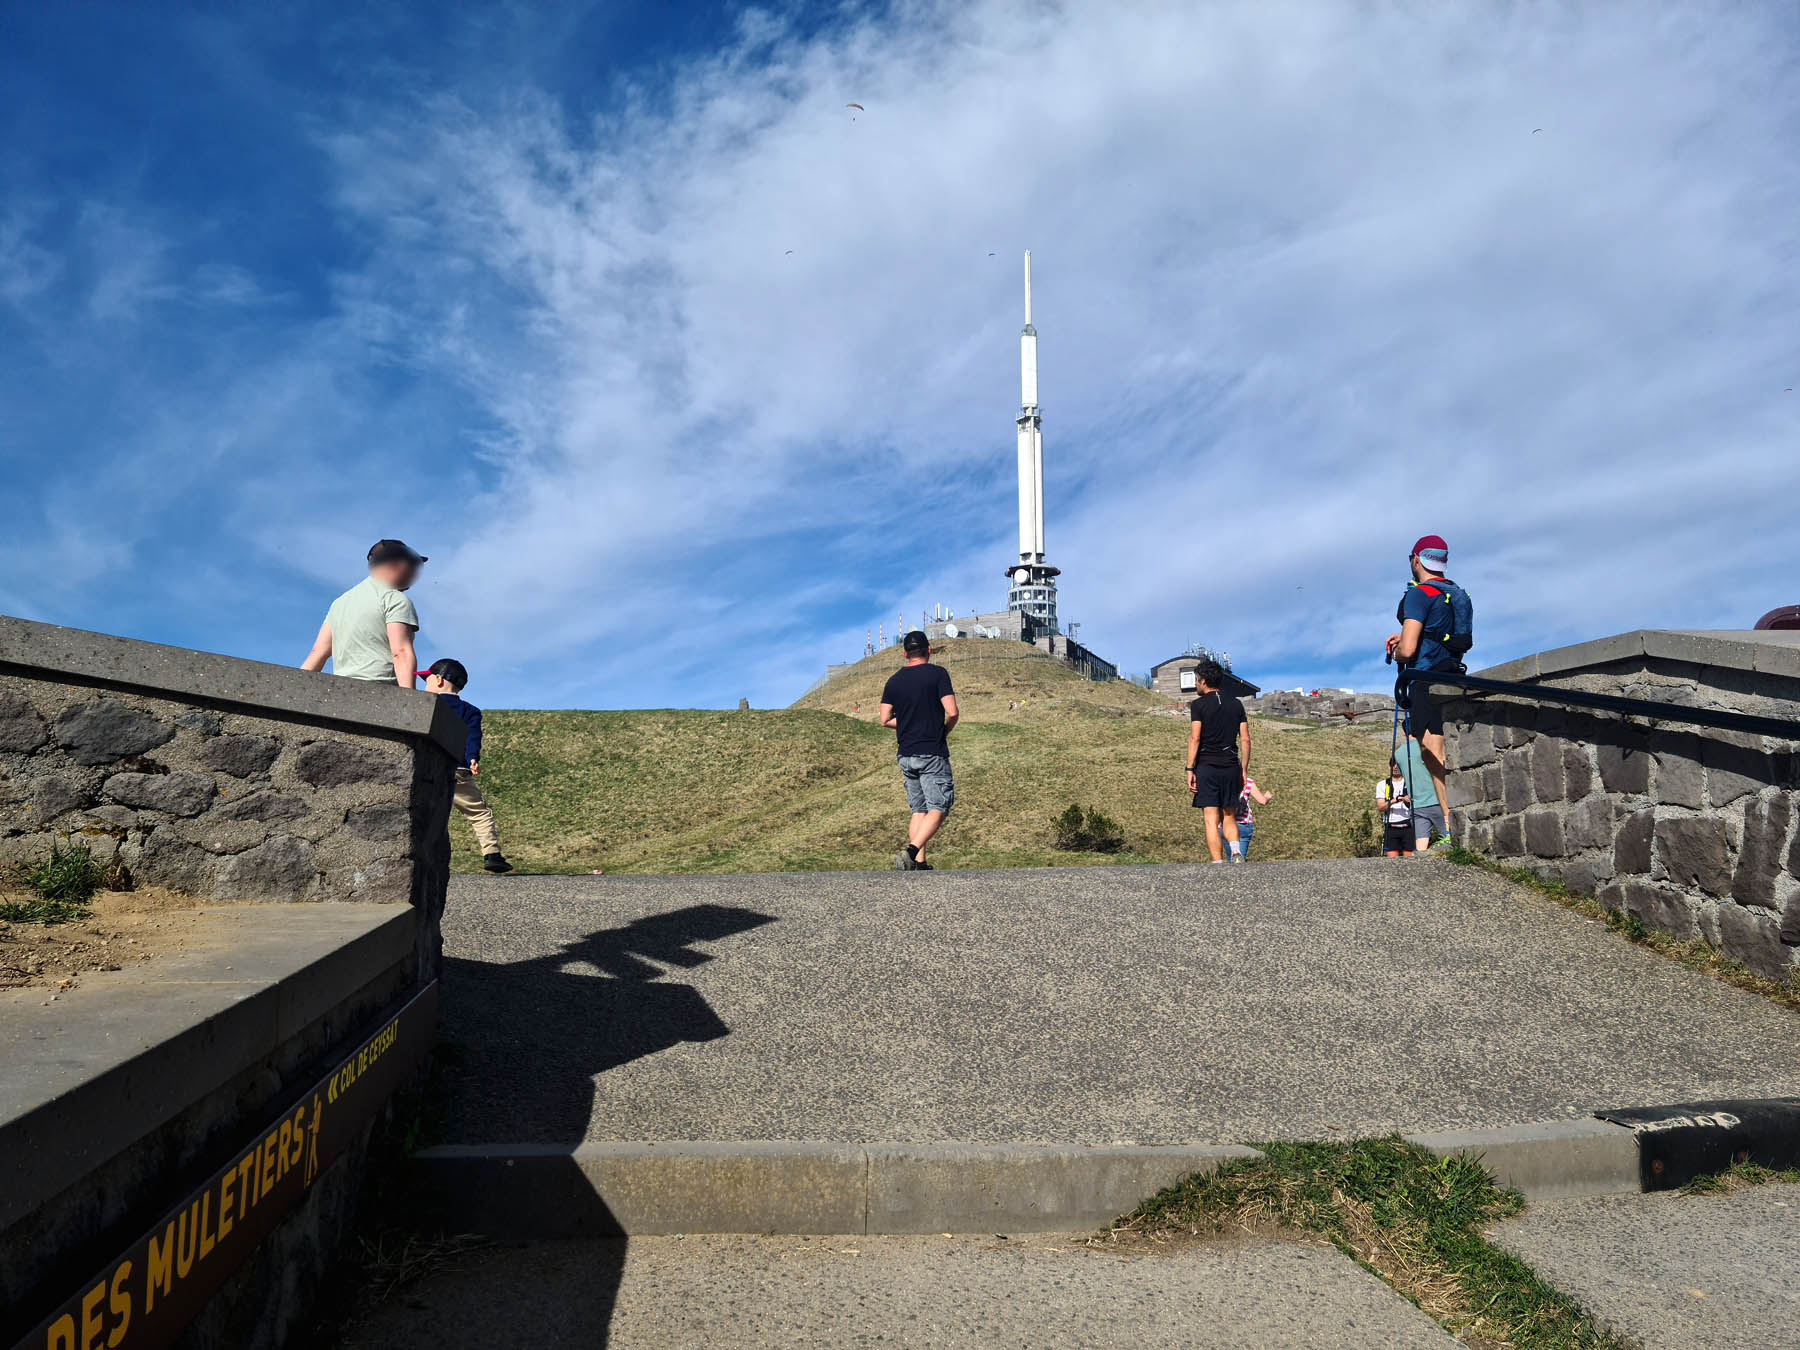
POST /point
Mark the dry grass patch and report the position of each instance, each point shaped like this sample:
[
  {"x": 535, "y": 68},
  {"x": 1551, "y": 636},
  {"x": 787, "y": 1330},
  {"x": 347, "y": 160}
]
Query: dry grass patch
[{"x": 814, "y": 787}]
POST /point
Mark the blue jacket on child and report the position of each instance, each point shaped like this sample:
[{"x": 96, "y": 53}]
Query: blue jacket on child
[{"x": 471, "y": 716}]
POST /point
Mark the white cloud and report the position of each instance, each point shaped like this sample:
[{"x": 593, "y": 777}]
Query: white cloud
[{"x": 1310, "y": 284}]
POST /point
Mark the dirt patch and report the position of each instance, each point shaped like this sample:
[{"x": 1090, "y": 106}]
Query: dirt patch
[{"x": 126, "y": 929}]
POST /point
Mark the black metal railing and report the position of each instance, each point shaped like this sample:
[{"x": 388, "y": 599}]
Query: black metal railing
[{"x": 1785, "y": 728}]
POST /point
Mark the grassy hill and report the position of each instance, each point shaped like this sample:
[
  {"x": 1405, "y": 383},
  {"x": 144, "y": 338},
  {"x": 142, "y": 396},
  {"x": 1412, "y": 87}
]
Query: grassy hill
[{"x": 814, "y": 786}]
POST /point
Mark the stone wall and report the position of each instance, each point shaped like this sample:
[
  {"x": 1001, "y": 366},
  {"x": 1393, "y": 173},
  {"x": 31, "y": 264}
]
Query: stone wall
[
  {"x": 1691, "y": 829},
  {"x": 230, "y": 780},
  {"x": 226, "y": 779}
]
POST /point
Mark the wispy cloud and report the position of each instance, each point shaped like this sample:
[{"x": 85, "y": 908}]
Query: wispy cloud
[{"x": 684, "y": 396}]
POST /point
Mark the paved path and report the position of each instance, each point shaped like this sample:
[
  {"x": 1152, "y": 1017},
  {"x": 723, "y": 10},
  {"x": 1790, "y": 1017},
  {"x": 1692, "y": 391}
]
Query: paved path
[
  {"x": 1674, "y": 1272},
  {"x": 1171, "y": 1004},
  {"x": 1039, "y": 1293}
]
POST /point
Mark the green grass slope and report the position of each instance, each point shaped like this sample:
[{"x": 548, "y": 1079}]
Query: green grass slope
[{"x": 813, "y": 787}]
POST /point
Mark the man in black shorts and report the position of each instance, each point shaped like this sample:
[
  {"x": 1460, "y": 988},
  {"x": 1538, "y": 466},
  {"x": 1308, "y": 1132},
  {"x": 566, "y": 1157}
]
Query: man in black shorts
[
  {"x": 920, "y": 706},
  {"x": 1218, "y": 757}
]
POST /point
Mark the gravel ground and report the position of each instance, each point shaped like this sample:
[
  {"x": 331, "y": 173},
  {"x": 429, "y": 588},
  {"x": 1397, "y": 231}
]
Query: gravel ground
[
  {"x": 1038, "y": 1293},
  {"x": 1674, "y": 1272},
  {"x": 1175, "y": 1004}
]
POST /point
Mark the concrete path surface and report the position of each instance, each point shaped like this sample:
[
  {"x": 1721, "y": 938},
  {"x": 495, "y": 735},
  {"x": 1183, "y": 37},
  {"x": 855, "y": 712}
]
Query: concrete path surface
[
  {"x": 1674, "y": 1272},
  {"x": 1038, "y": 1293},
  {"x": 1091, "y": 1005}
]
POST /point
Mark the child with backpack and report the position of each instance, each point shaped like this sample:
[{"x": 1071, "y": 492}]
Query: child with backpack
[
  {"x": 1437, "y": 623},
  {"x": 1395, "y": 805}
]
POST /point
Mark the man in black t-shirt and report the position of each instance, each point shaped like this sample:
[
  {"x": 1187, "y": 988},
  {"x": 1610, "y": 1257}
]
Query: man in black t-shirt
[
  {"x": 1215, "y": 767},
  {"x": 921, "y": 707}
]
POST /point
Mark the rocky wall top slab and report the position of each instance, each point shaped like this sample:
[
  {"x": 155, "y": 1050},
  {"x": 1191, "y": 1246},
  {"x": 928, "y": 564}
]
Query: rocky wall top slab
[
  {"x": 1766, "y": 652},
  {"x": 51, "y": 652}
]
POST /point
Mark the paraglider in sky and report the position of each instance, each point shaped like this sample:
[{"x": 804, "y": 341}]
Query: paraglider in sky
[{"x": 859, "y": 107}]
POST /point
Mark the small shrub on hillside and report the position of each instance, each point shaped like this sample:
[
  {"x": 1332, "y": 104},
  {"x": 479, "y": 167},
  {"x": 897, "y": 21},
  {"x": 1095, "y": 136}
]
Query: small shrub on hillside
[
  {"x": 1085, "y": 830},
  {"x": 1362, "y": 836}
]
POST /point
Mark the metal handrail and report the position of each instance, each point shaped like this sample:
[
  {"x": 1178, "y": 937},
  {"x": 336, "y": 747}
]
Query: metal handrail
[{"x": 1783, "y": 728}]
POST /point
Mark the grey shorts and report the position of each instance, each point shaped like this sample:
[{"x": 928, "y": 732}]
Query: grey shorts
[
  {"x": 928, "y": 783},
  {"x": 1428, "y": 822}
]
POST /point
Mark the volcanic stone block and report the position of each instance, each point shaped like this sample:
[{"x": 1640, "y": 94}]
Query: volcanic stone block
[
  {"x": 106, "y": 730},
  {"x": 1544, "y": 833},
  {"x": 1475, "y": 746},
  {"x": 1578, "y": 770},
  {"x": 1515, "y": 774},
  {"x": 1661, "y": 907},
  {"x": 1464, "y": 789},
  {"x": 1624, "y": 768},
  {"x": 241, "y": 756},
  {"x": 1479, "y": 837},
  {"x": 168, "y": 860},
  {"x": 55, "y": 795},
  {"x": 1631, "y": 843},
  {"x": 264, "y": 805},
  {"x": 1680, "y": 780},
  {"x": 338, "y": 763},
  {"x": 1760, "y": 857},
  {"x": 1493, "y": 784},
  {"x": 1547, "y": 769},
  {"x": 384, "y": 820},
  {"x": 280, "y": 868},
  {"x": 1589, "y": 824},
  {"x": 1693, "y": 850},
  {"x": 1734, "y": 771},
  {"x": 1753, "y": 936},
  {"x": 384, "y": 881},
  {"x": 21, "y": 729},
  {"x": 1509, "y": 837},
  {"x": 1584, "y": 875},
  {"x": 179, "y": 794}
]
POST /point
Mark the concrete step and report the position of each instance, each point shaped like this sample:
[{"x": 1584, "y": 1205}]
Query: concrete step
[{"x": 601, "y": 1189}]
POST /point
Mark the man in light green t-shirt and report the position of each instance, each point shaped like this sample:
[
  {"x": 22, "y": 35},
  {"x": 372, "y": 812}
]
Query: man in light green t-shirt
[{"x": 368, "y": 632}]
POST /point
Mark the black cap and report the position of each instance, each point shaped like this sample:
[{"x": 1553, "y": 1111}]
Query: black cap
[
  {"x": 392, "y": 550},
  {"x": 449, "y": 668},
  {"x": 915, "y": 642}
]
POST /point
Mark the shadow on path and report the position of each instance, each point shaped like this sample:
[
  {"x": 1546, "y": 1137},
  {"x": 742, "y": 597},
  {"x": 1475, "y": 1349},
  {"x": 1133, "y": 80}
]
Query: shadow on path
[{"x": 534, "y": 1035}]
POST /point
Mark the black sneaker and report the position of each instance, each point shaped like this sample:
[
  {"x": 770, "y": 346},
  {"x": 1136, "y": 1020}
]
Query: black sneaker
[
  {"x": 923, "y": 867},
  {"x": 494, "y": 862},
  {"x": 903, "y": 862}
]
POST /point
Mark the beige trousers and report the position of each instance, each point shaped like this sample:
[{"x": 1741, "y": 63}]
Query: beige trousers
[{"x": 479, "y": 814}]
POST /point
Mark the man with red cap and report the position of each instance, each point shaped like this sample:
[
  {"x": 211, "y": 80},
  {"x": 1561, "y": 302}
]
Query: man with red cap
[{"x": 1434, "y": 634}]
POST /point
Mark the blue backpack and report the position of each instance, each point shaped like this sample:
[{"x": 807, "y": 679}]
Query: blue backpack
[{"x": 1460, "y": 636}]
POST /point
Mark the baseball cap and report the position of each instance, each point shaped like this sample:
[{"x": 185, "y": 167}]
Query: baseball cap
[
  {"x": 916, "y": 641},
  {"x": 1433, "y": 553},
  {"x": 392, "y": 550},
  {"x": 450, "y": 669}
]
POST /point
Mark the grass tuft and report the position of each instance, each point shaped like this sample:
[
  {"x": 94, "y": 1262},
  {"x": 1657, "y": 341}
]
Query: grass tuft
[
  {"x": 1414, "y": 1219},
  {"x": 61, "y": 883},
  {"x": 1739, "y": 1177},
  {"x": 1694, "y": 953}
]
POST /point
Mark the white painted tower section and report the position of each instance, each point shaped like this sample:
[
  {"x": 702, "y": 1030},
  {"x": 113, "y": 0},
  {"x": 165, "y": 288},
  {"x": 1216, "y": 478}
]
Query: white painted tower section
[
  {"x": 1031, "y": 440},
  {"x": 1033, "y": 590}
]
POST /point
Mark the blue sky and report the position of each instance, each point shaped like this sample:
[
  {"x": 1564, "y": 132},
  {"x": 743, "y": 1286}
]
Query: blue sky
[{"x": 513, "y": 282}]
